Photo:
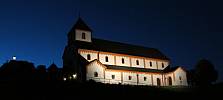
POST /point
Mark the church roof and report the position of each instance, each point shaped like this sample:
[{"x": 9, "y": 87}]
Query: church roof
[
  {"x": 80, "y": 24},
  {"x": 170, "y": 69},
  {"x": 121, "y": 48},
  {"x": 113, "y": 67},
  {"x": 166, "y": 70}
]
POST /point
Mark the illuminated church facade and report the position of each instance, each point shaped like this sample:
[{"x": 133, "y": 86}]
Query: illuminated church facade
[{"x": 86, "y": 58}]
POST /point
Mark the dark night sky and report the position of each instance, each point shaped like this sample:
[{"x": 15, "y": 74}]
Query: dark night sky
[{"x": 186, "y": 31}]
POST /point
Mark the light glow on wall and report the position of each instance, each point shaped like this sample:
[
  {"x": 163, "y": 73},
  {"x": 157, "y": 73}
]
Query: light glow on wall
[
  {"x": 64, "y": 79},
  {"x": 74, "y": 76}
]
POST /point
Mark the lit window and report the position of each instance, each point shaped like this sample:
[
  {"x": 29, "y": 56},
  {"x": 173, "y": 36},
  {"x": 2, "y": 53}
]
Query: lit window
[
  {"x": 145, "y": 78},
  {"x": 150, "y": 63},
  {"x": 162, "y": 65},
  {"x": 88, "y": 57},
  {"x": 137, "y": 62},
  {"x": 180, "y": 78},
  {"x": 83, "y": 36},
  {"x": 130, "y": 77},
  {"x": 106, "y": 59},
  {"x": 95, "y": 74},
  {"x": 123, "y": 61},
  {"x": 113, "y": 76}
]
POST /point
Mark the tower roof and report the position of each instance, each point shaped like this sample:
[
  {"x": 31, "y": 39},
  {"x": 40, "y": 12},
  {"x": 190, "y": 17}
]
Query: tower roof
[{"x": 80, "y": 24}]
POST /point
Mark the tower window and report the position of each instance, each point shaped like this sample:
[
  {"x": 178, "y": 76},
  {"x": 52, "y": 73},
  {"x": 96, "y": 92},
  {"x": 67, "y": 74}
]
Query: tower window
[
  {"x": 130, "y": 77},
  {"x": 106, "y": 58},
  {"x": 113, "y": 76},
  {"x": 95, "y": 74},
  {"x": 150, "y": 63},
  {"x": 123, "y": 61},
  {"x": 145, "y": 78},
  {"x": 88, "y": 57},
  {"x": 137, "y": 62},
  {"x": 83, "y": 36},
  {"x": 162, "y": 65},
  {"x": 180, "y": 78}
]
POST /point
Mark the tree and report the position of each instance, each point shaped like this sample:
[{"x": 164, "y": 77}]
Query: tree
[
  {"x": 191, "y": 77},
  {"x": 41, "y": 72},
  {"x": 52, "y": 72},
  {"x": 18, "y": 70},
  {"x": 205, "y": 73}
]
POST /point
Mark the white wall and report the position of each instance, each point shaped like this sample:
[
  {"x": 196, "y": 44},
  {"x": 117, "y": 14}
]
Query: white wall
[
  {"x": 92, "y": 54},
  {"x": 95, "y": 67},
  {"x": 155, "y": 76},
  {"x": 166, "y": 79},
  {"x": 134, "y": 64},
  {"x": 105, "y": 76},
  {"x": 148, "y": 79},
  {"x": 79, "y": 35},
  {"x": 111, "y": 59},
  {"x": 180, "y": 73},
  {"x": 147, "y": 64},
  {"x": 119, "y": 61},
  {"x": 126, "y": 80},
  {"x": 108, "y": 77},
  {"x": 165, "y": 63}
]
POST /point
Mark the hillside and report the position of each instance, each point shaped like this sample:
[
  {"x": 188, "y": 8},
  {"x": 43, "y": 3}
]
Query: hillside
[{"x": 60, "y": 90}]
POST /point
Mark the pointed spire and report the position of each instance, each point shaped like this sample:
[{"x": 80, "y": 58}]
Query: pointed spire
[{"x": 80, "y": 24}]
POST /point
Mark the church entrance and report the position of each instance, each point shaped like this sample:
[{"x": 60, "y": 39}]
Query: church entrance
[
  {"x": 158, "y": 82},
  {"x": 170, "y": 81}
]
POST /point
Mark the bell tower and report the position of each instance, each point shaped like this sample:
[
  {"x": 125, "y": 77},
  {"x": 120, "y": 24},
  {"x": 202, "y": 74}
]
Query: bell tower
[{"x": 80, "y": 32}]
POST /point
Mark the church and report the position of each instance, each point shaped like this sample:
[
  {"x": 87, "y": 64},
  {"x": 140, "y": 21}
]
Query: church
[{"x": 87, "y": 58}]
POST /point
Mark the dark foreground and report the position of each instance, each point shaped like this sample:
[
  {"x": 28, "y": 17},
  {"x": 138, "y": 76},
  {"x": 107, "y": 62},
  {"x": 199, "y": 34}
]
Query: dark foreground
[{"x": 59, "y": 90}]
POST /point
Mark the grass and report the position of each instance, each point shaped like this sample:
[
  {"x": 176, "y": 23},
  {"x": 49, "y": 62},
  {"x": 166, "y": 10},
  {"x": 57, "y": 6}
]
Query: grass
[{"x": 59, "y": 90}]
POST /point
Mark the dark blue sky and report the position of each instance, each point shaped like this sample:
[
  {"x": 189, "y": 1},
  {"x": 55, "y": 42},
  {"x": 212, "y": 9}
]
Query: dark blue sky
[{"x": 186, "y": 31}]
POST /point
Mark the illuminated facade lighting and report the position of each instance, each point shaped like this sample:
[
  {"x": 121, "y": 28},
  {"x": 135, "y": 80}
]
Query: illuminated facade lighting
[
  {"x": 14, "y": 58},
  {"x": 117, "y": 63},
  {"x": 64, "y": 79},
  {"x": 74, "y": 76}
]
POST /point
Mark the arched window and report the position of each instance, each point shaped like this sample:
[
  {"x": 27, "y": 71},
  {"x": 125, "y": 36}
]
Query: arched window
[
  {"x": 158, "y": 82},
  {"x": 145, "y": 78},
  {"x": 162, "y": 65},
  {"x": 130, "y": 77},
  {"x": 113, "y": 76},
  {"x": 150, "y": 63},
  {"x": 88, "y": 57},
  {"x": 137, "y": 62},
  {"x": 83, "y": 36},
  {"x": 123, "y": 61},
  {"x": 180, "y": 78},
  {"x": 106, "y": 58},
  {"x": 170, "y": 81},
  {"x": 95, "y": 74}
]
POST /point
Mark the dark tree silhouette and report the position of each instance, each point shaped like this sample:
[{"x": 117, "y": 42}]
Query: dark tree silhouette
[
  {"x": 191, "y": 77},
  {"x": 205, "y": 73},
  {"x": 41, "y": 72},
  {"x": 18, "y": 70},
  {"x": 41, "y": 68},
  {"x": 52, "y": 72}
]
